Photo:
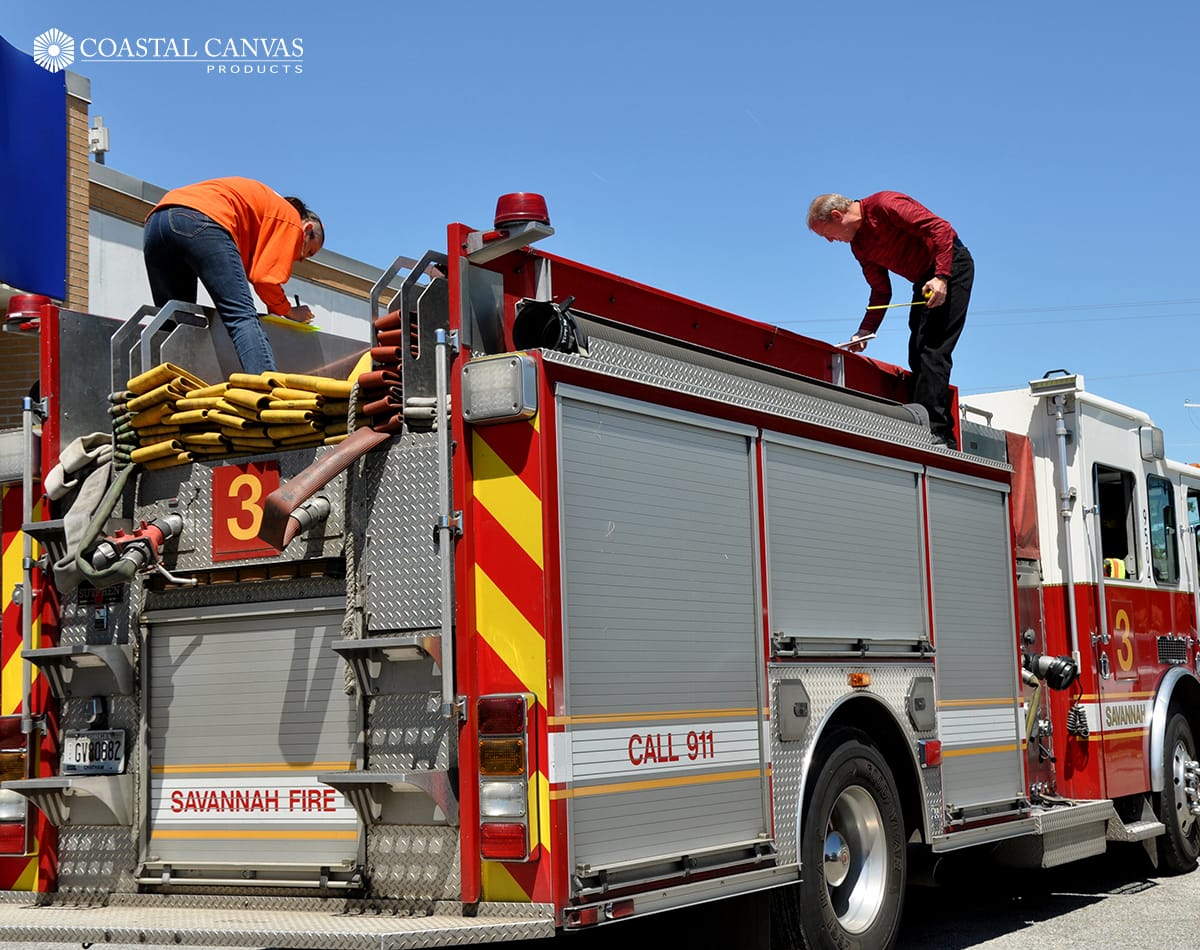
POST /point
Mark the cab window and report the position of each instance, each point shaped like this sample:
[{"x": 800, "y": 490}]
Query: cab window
[
  {"x": 1118, "y": 522},
  {"x": 1164, "y": 549}
]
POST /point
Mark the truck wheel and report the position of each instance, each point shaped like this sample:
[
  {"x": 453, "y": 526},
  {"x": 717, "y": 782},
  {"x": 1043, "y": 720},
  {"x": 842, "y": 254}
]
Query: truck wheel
[
  {"x": 1179, "y": 846},
  {"x": 852, "y": 852}
]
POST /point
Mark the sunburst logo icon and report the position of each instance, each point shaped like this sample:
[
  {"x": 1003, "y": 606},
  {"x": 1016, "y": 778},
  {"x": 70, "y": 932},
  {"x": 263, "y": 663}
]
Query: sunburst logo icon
[{"x": 54, "y": 50}]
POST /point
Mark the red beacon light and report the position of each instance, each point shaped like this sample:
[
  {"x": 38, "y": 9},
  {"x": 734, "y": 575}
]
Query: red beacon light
[
  {"x": 519, "y": 207},
  {"x": 521, "y": 219},
  {"x": 24, "y": 311}
]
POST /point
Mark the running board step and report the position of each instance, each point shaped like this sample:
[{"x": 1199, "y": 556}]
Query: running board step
[
  {"x": 1135, "y": 831},
  {"x": 27, "y": 918},
  {"x": 1061, "y": 834}
]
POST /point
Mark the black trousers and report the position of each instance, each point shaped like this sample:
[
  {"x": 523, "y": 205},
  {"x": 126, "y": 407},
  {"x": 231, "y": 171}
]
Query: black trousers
[{"x": 933, "y": 333}]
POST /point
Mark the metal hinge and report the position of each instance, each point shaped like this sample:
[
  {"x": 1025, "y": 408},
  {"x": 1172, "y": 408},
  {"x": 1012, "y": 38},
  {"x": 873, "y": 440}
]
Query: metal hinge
[
  {"x": 39, "y": 407},
  {"x": 451, "y": 523}
]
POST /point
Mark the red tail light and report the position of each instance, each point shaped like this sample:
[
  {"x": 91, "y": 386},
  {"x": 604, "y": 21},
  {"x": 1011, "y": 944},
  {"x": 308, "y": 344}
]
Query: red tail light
[
  {"x": 501, "y": 716},
  {"x": 507, "y": 841}
]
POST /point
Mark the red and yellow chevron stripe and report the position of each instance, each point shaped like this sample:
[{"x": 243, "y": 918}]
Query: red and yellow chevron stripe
[
  {"x": 18, "y": 871},
  {"x": 510, "y": 619},
  {"x": 10, "y": 641}
]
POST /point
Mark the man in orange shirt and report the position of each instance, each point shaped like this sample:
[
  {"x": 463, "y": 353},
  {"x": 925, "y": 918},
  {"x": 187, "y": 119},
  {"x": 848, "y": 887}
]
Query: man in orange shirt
[{"x": 231, "y": 233}]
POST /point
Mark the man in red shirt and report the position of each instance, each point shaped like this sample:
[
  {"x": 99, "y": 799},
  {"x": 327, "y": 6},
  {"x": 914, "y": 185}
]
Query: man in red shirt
[
  {"x": 231, "y": 233},
  {"x": 889, "y": 231}
]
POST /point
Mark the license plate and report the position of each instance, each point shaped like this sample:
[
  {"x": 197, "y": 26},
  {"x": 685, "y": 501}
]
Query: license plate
[{"x": 95, "y": 752}]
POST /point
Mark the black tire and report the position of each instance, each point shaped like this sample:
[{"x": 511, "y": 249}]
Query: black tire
[
  {"x": 1179, "y": 845},
  {"x": 855, "y": 809}
]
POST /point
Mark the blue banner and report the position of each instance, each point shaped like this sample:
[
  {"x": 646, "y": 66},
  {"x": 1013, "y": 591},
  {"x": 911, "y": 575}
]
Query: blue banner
[{"x": 33, "y": 175}]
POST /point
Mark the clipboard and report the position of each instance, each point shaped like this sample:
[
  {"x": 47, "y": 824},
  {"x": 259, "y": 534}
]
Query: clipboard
[{"x": 290, "y": 324}]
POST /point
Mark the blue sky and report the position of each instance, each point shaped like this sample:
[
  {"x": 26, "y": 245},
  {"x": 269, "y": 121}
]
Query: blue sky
[{"x": 679, "y": 145}]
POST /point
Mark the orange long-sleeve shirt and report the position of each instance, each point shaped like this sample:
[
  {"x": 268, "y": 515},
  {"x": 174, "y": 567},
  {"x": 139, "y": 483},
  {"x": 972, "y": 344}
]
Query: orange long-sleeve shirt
[{"x": 265, "y": 228}]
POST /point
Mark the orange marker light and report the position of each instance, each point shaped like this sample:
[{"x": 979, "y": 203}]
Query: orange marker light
[
  {"x": 502, "y": 757},
  {"x": 859, "y": 680}
]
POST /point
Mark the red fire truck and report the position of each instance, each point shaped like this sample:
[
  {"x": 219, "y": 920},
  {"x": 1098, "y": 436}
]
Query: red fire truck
[{"x": 606, "y": 603}]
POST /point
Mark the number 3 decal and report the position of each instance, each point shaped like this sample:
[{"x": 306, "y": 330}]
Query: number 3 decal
[
  {"x": 247, "y": 490},
  {"x": 1125, "y": 638},
  {"x": 238, "y": 495}
]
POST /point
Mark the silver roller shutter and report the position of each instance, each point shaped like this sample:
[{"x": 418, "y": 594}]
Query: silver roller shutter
[
  {"x": 663, "y": 643},
  {"x": 975, "y": 636},
  {"x": 246, "y": 706},
  {"x": 844, "y": 546}
]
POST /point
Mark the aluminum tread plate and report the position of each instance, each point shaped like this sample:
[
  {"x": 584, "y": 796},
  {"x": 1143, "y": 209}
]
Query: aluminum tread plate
[
  {"x": 659, "y": 364},
  {"x": 256, "y": 927}
]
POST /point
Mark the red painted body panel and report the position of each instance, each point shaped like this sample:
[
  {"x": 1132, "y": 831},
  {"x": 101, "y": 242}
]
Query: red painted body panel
[{"x": 1114, "y": 760}]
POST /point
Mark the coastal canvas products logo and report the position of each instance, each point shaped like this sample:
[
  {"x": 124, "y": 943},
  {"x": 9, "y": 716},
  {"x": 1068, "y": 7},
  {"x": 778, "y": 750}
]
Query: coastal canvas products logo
[
  {"x": 54, "y": 50},
  {"x": 218, "y": 55}
]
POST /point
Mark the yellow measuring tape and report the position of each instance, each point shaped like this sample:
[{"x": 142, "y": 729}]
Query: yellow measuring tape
[{"x": 911, "y": 303}]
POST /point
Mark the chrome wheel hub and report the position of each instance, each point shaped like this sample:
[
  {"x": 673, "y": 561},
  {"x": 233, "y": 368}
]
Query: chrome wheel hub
[
  {"x": 1185, "y": 773},
  {"x": 855, "y": 859}
]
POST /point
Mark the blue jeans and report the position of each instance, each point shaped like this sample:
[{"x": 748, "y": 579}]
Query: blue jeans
[{"x": 181, "y": 245}]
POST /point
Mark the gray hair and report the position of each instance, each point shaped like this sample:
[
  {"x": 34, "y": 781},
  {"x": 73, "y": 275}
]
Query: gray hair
[{"x": 824, "y": 205}]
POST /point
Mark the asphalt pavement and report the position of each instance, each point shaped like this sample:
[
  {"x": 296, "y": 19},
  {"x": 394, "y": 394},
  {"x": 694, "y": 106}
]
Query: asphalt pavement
[{"x": 1113, "y": 902}]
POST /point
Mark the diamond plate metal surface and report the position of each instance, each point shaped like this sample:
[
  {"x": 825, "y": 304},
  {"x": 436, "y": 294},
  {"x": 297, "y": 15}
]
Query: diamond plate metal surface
[
  {"x": 418, "y": 861},
  {"x": 190, "y": 487},
  {"x": 407, "y": 731},
  {"x": 299, "y": 588},
  {"x": 95, "y": 860},
  {"x": 320, "y": 925},
  {"x": 641, "y": 363},
  {"x": 826, "y": 688},
  {"x": 98, "y": 621},
  {"x": 394, "y": 508}
]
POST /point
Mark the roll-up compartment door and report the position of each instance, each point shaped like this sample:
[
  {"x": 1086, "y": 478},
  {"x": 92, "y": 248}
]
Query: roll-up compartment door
[
  {"x": 844, "y": 545},
  {"x": 975, "y": 636},
  {"x": 246, "y": 707},
  {"x": 663, "y": 737}
]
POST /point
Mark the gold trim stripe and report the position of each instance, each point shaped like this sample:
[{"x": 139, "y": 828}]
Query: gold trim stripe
[
  {"x": 1124, "y": 734},
  {"x": 593, "y": 719},
  {"x": 650, "y": 784},
  {"x": 255, "y": 834},
  {"x": 981, "y": 750},
  {"x": 976, "y": 703}
]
